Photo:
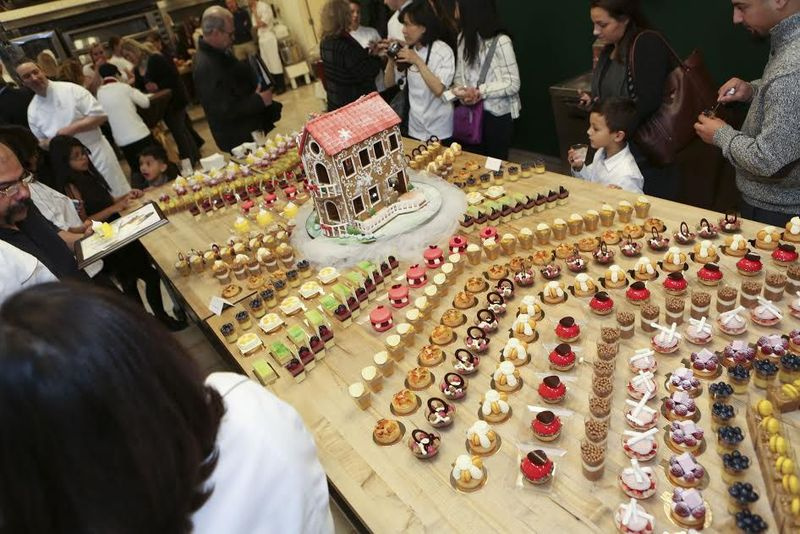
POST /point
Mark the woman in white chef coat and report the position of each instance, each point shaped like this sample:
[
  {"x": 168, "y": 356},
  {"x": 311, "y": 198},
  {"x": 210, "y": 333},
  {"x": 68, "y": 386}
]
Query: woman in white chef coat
[
  {"x": 430, "y": 68},
  {"x": 264, "y": 21}
]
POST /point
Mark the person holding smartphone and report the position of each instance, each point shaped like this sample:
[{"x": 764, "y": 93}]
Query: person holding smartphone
[{"x": 427, "y": 65}]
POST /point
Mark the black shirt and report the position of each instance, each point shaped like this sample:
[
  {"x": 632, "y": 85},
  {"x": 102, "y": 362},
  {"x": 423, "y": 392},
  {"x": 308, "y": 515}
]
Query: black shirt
[
  {"x": 14, "y": 104},
  {"x": 38, "y": 237},
  {"x": 242, "y": 27}
]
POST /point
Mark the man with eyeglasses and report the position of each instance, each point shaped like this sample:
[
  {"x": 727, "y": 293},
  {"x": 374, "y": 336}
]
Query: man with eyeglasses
[
  {"x": 23, "y": 226},
  {"x": 234, "y": 104}
]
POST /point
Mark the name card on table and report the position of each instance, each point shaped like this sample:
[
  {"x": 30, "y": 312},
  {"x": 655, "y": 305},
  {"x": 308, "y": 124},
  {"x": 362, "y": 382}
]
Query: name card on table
[
  {"x": 218, "y": 305},
  {"x": 493, "y": 164}
]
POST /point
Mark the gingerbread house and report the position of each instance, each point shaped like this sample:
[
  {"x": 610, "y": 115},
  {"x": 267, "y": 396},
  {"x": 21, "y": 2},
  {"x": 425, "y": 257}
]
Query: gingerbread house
[{"x": 355, "y": 165}]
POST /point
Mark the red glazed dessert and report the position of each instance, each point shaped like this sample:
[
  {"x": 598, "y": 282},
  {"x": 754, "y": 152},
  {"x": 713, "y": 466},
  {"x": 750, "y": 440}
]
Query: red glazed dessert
[
  {"x": 537, "y": 468},
  {"x": 601, "y": 303},
  {"x": 416, "y": 277},
  {"x": 434, "y": 257},
  {"x": 488, "y": 232},
  {"x": 269, "y": 199},
  {"x": 398, "y": 296},
  {"x": 675, "y": 284},
  {"x": 784, "y": 255},
  {"x": 638, "y": 293},
  {"x": 546, "y": 426},
  {"x": 381, "y": 319},
  {"x": 458, "y": 244},
  {"x": 750, "y": 265},
  {"x": 568, "y": 330},
  {"x": 562, "y": 358},
  {"x": 709, "y": 274},
  {"x": 552, "y": 390}
]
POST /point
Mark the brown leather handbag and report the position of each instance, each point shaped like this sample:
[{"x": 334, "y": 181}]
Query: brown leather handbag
[{"x": 689, "y": 90}]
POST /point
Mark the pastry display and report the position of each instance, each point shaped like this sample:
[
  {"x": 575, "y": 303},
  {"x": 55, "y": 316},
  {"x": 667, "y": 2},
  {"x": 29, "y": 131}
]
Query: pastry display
[
  {"x": 537, "y": 468},
  {"x": 784, "y": 255},
  {"x": 637, "y": 482},
  {"x": 675, "y": 284},
  {"x": 505, "y": 288},
  {"x": 666, "y": 341},
  {"x": 424, "y": 444},
  {"x": 542, "y": 257},
  {"x": 546, "y": 426},
  {"x": 567, "y": 330},
  {"x": 631, "y": 518},
  {"x": 506, "y": 377},
  {"x": 642, "y": 385},
  {"x": 530, "y": 307},
  {"x": 751, "y": 290},
  {"x": 674, "y": 310},
  {"x": 730, "y": 223},
  {"x": 468, "y": 472},
  {"x": 553, "y": 293},
  {"x": 593, "y": 457},
  {"x": 643, "y": 360},
  {"x": 735, "y": 246},
  {"x": 562, "y": 358},
  {"x": 453, "y": 386},
  {"x": 576, "y": 263},
  {"x": 707, "y": 230},
  {"x": 632, "y": 231},
  {"x": 626, "y": 320},
  {"x": 442, "y": 335},
  {"x": 657, "y": 242},
  {"x": 476, "y": 285},
  {"x": 601, "y": 304},
  {"x": 466, "y": 363},
  {"x": 602, "y": 255},
  {"x": 404, "y": 402},
  {"x": 721, "y": 415},
  {"x": 766, "y": 313},
  {"x": 741, "y": 496},
  {"x": 453, "y": 318},
  {"x": 794, "y": 307},
  {"x": 638, "y": 294},
  {"x": 486, "y": 320},
  {"x": 726, "y": 298},
  {"x": 615, "y": 277},
  {"x": 495, "y": 272},
  {"x": 609, "y": 237},
  {"x": 684, "y": 236},
  {"x": 699, "y": 332},
  {"x": 740, "y": 353},
  {"x": 739, "y": 378},
  {"x": 705, "y": 364},
  {"x": 732, "y": 322},
  {"x": 516, "y": 352},
  {"x": 496, "y": 303},
  {"x": 524, "y": 328},
  {"x": 430, "y": 356},
  {"x": 639, "y": 416},
  {"x": 680, "y": 406},
  {"x": 685, "y": 436},
  {"x": 650, "y": 314},
  {"x": 419, "y": 378},
  {"x": 552, "y": 390},
  {"x": 750, "y": 265},
  {"x": 684, "y": 471},
  {"x": 631, "y": 249},
  {"x": 640, "y": 446},
  {"x": 481, "y": 438},
  {"x": 750, "y": 523},
  {"x": 439, "y": 413},
  {"x": 587, "y": 244},
  {"x": 476, "y": 340},
  {"x": 654, "y": 223},
  {"x": 683, "y": 379},
  {"x": 607, "y": 215},
  {"x": 600, "y": 407},
  {"x": 387, "y": 432},
  {"x": 709, "y": 274},
  {"x": 584, "y": 286},
  {"x": 774, "y": 285},
  {"x": 674, "y": 260},
  {"x": 602, "y": 386},
  {"x": 734, "y": 463},
  {"x": 772, "y": 346},
  {"x": 701, "y": 305},
  {"x": 495, "y": 407},
  {"x": 767, "y": 238}
]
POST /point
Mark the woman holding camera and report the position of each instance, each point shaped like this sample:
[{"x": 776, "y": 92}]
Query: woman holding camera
[{"x": 427, "y": 64}]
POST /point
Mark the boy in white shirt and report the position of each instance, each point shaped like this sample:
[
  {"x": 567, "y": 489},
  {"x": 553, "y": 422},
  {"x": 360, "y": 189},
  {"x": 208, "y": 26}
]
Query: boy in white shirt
[{"x": 613, "y": 164}]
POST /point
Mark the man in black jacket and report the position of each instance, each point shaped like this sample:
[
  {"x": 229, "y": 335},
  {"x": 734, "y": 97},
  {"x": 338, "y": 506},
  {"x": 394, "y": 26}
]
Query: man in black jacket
[
  {"x": 227, "y": 89},
  {"x": 14, "y": 103}
]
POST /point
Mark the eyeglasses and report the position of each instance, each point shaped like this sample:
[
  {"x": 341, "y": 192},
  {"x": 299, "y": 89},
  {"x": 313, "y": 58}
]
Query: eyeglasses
[{"x": 10, "y": 189}]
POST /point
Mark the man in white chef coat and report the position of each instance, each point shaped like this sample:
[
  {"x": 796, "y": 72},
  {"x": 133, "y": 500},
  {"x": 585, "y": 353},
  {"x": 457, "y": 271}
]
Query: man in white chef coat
[
  {"x": 19, "y": 270},
  {"x": 64, "y": 108}
]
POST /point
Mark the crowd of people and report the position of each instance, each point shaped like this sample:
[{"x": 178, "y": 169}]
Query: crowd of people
[{"x": 127, "y": 419}]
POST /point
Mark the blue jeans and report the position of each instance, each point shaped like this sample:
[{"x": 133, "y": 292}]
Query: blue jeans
[{"x": 772, "y": 218}]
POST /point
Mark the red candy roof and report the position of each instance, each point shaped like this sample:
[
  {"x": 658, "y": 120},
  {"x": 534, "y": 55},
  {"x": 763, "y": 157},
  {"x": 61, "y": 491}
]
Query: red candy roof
[{"x": 351, "y": 124}]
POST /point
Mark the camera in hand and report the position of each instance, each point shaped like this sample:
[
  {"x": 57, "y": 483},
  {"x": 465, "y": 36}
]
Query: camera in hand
[{"x": 392, "y": 51}]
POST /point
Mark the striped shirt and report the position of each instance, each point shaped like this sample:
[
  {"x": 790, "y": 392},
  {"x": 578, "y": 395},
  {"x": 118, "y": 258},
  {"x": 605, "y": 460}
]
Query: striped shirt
[{"x": 500, "y": 91}]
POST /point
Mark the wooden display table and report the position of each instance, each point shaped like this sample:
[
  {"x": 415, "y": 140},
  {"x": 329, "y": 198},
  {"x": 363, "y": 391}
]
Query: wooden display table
[{"x": 392, "y": 491}]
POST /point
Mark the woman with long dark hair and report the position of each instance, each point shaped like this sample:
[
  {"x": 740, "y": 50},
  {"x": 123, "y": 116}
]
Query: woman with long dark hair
[
  {"x": 76, "y": 177},
  {"x": 115, "y": 430},
  {"x": 350, "y": 70},
  {"x": 481, "y": 33},
  {"x": 428, "y": 64},
  {"x": 619, "y": 23}
]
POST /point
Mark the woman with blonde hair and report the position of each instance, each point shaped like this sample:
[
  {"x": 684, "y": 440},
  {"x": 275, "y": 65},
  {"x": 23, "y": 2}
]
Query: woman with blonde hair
[
  {"x": 350, "y": 70},
  {"x": 153, "y": 72}
]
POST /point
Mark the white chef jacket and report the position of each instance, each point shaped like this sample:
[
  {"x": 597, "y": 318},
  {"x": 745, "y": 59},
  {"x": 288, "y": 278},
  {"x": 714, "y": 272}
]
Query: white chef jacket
[
  {"x": 430, "y": 114},
  {"x": 394, "y": 26},
  {"x": 267, "y": 41},
  {"x": 57, "y": 208},
  {"x": 19, "y": 270},
  {"x": 120, "y": 101},
  {"x": 63, "y": 104},
  {"x": 123, "y": 65},
  {"x": 268, "y": 478},
  {"x": 620, "y": 170}
]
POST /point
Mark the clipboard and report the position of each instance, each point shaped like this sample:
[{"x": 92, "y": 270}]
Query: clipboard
[
  {"x": 260, "y": 72},
  {"x": 125, "y": 230}
]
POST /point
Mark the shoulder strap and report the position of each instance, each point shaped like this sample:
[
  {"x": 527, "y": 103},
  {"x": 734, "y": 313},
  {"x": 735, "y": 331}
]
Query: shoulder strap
[
  {"x": 488, "y": 61},
  {"x": 631, "y": 53}
]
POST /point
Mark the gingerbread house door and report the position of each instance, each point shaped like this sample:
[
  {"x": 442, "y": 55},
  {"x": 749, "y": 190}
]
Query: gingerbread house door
[
  {"x": 398, "y": 182},
  {"x": 332, "y": 213}
]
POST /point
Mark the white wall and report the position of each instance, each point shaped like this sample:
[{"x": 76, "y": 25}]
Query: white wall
[{"x": 296, "y": 16}]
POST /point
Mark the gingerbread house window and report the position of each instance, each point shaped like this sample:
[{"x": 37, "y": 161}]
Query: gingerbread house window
[
  {"x": 394, "y": 144},
  {"x": 314, "y": 147},
  {"x": 322, "y": 173},
  {"x": 347, "y": 165},
  {"x": 358, "y": 205},
  {"x": 374, "y": 195},
  {"x": 378, "y": 149},
  {"x": 363, "y": 157},
  {"x": 332, "y": 212}
]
